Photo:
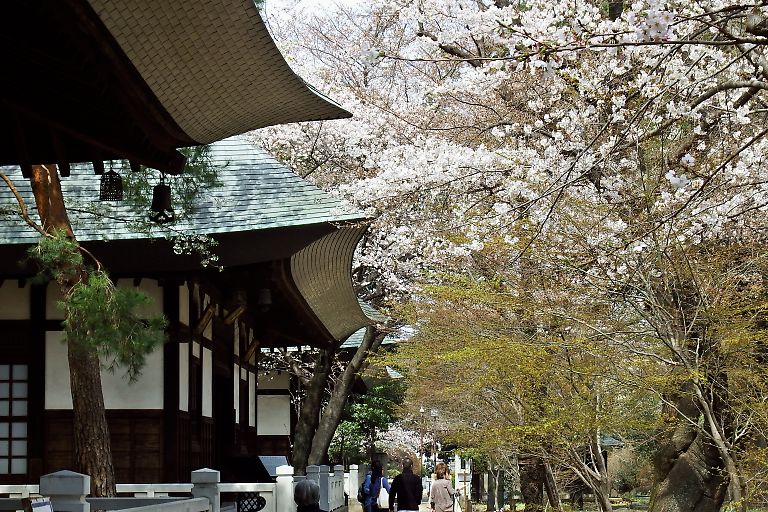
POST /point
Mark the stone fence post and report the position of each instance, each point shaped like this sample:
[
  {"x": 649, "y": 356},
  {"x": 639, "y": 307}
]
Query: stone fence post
[
  {"x": 205, "y": 484},
  {"x": 67, "y": 491},
  {"x": 337, "y": 492},
  {"x": 284, "y": 490},
  {"x": 353, "y": 482},
  {"x": 320, "y": 475}
]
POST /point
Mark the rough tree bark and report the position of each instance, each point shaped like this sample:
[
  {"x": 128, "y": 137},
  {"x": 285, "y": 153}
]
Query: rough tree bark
[
  {"x": 689, "y": 469},
  {"x": 601, "y": 484},
  {"x": 500, "y": 488},
  {"x": 532, "y": 483},
  {"x": 550, "y": 485},
  {"x": 309, "y": 416},
  {"x": 492, "y": 490},
  {"x": 93, "y": 453},
  {"x": 331, "y": 417}
]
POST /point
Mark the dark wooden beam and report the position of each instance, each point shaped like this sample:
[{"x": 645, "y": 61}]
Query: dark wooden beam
[
  {"x": 91, "y": 93},
  {"x": 205, "y": 318}
]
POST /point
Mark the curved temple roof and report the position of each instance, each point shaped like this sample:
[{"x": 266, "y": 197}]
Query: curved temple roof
[
  {"x": 136, "y": 80},
  {"x": 213, "y": 65},
  {"x": 321, "y": 272}
]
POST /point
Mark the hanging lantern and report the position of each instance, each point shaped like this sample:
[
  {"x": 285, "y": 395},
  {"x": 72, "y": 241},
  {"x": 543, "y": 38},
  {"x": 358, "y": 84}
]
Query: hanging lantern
[
  {"x": 111, "y": 188},
  {"x": 161, "y": 210}
]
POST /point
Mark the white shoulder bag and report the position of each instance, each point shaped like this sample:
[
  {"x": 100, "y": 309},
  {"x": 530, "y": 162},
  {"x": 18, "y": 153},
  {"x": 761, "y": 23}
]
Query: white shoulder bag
[{"x": 383, "y": 500}]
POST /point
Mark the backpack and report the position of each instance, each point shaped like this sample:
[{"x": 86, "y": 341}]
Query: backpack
[{"x": 361, "y": 492}]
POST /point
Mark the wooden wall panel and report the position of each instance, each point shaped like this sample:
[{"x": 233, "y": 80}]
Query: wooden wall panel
[
  {"x": 273, "y": 445},
  {"x": 137, "y": 444}
]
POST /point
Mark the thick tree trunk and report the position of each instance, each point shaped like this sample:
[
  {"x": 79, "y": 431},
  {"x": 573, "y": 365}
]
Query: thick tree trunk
[
  {"x": 550, "y": 485},
  {"x": 310, "y": 410},
  {"x": 93, "y": 453},
  {"x": 500, "y": 488},
  {"x": 333, "y": 410},
  {"x": 689, "y": 469},
  {"x": 532, "y": 483},
  {"x": 92, "y": 448},
  {"x": 603, "y": 500},
  {"x": 492, "y": 490}
]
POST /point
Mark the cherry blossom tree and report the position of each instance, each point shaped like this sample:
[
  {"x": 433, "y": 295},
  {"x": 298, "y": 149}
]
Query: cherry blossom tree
[{"x": 618, "y": 151}]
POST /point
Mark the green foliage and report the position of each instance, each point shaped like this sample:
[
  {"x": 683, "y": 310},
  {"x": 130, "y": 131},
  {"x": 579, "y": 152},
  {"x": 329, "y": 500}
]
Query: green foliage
[
  {"x": 348, "y": 444},
  {"x": 365, "y": 415},
  {"x": 98, "y": 314},
  {"x": 378, "y": 408},
  {"x": 105, "y": 317},
  {"x": 56, "y": 256}
]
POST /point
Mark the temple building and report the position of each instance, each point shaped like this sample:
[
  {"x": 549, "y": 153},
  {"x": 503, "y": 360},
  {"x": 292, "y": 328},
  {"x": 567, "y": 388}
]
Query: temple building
[{"x": 104, "y": 82}]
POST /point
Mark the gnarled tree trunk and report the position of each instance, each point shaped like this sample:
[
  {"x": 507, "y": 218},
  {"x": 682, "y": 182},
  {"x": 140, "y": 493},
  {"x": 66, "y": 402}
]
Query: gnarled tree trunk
[
  {"x": 689, "y": 469},
  {"x": 93, "y": 453},
  {"x": 532, "y": 483},
  {"x": 309, "y": 416},
  {"x": 335, "y": 407}
]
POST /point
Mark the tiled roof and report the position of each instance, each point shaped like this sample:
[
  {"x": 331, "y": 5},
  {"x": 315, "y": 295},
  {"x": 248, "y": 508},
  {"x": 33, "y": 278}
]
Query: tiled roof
[
  {"x": 256, "y": 193},
  {"x": 213, "y": 65}
]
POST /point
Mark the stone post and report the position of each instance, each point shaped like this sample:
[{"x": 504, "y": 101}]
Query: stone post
[
  {"x": 313, "y": 473},
  {"x": 205, "y": 484},
  {"x": 338, "y": 487},
  {"x": 284, "y": 490},
  {"x": 324, "y": 476},
  {"x": 67, "y": 491},
  {"x": 353, "y": 482}
]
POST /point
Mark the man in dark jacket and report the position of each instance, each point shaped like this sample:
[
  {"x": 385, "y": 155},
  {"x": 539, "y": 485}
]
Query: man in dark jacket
[{"x": 406, "y": 490}]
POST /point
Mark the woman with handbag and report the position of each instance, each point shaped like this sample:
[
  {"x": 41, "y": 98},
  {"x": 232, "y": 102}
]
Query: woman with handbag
[
  {"x": 378, "y": 496},
  {"x": 441, "y": 495}
]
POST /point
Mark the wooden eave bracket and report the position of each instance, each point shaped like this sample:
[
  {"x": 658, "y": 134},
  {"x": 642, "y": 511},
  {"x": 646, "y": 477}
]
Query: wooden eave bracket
[
  {"x": 252, "y": 348},
  {"x": 234, "y": 315},
  {"x": 205, "y": 318}
]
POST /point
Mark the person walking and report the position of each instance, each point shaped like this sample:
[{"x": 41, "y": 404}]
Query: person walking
[
  {"x": 307, "y": 496},
  {"x": 442, "y": 493},
  {"x": 406, "y": 489},
  {"x": 375, "y": 480}
]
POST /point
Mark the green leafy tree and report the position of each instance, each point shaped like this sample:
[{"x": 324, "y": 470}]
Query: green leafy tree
[
  {"x": 348, "y": 444},
  {"x": 364, "y": 417}
]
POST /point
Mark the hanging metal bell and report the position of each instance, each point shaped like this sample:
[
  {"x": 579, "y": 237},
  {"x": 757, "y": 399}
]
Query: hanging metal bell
[{"x": 161, "y": 210}]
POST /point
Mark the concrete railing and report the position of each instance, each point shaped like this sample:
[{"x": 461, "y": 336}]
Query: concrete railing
[{"x": 68, "y": 492}]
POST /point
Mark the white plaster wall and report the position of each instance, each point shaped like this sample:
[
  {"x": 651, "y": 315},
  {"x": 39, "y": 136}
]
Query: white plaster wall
[
  {"x": 273, "y": 380},
  {"x": 52, "y": 297},
  {"x": 207, "y": 383},
  {"x": 153, "y": 290},
  {"x": 184, "y": 377},
  {"x": 14, "y": 300},
  {"x": 145, "y": 393},
  {"x": 274, "y": 414},
  {"x": 184, "y": 304}
]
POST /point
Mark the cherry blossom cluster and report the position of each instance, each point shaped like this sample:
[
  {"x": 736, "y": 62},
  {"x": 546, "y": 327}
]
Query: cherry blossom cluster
[{"x": 486, "y": 125}]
